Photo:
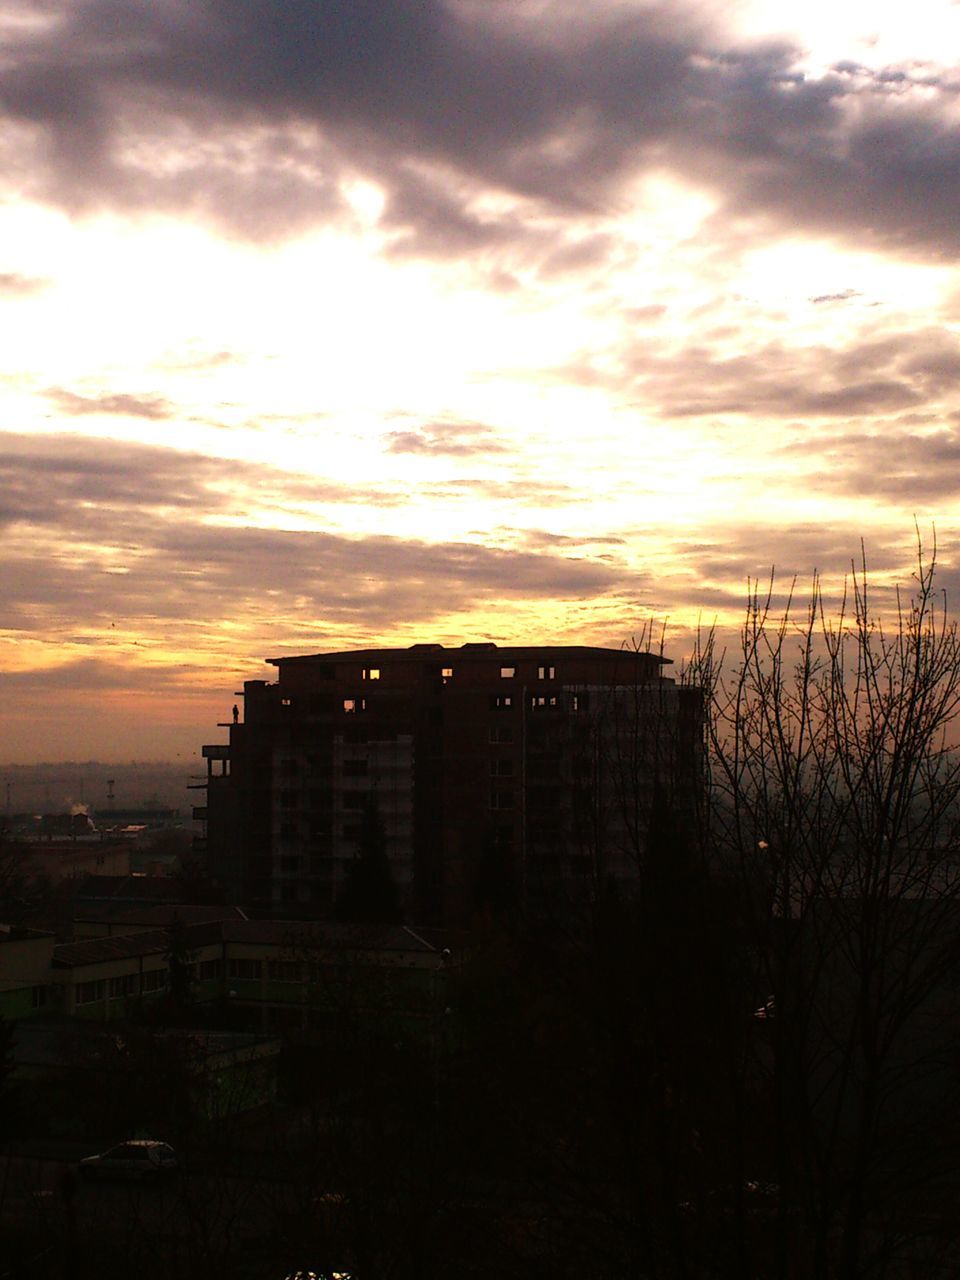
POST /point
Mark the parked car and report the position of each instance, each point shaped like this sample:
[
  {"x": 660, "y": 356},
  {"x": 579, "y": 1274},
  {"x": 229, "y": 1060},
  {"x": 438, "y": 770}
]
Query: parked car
[{"x": 141, "y": 1159}]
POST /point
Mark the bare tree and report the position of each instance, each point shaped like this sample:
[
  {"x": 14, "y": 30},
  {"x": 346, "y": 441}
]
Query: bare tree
[{"x": 834, "y": 789}]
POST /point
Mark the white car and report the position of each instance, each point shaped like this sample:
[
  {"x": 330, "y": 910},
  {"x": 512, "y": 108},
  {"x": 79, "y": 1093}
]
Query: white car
[{"x": 139, "y": 1159}]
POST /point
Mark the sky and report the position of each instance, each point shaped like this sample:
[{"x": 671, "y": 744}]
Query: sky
[{"x": 330, "y": 323}]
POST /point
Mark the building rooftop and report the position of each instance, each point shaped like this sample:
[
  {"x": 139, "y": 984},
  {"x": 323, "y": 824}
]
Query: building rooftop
[
  {"x": 347, "y": 937},
  {"x": 17, "y": 933},
  {"x": 474, "y": 650},
  {"x": 121, "y": 946},
  {"x": 159, "y": 915},
  {"x": 130, "y": 889},
  {"x": 289, "y": 934}
]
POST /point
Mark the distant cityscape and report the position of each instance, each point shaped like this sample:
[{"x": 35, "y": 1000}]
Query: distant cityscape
[{"x": 94, "y": 785}]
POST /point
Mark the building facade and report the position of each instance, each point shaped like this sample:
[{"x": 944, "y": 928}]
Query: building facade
[{"x": 488, "y": 777}]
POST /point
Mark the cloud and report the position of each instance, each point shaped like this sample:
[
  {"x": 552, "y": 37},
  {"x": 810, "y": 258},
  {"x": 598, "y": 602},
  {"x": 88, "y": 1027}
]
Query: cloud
[
  {"x": 13, "y": 285},
  {"x": 446, "y": 439},
  {"x": 120, "y": 403},
  {"x": 912, "y": 468},
  {"x": 101, "y": 534},
  {"x": 94, "y": 675},
  {"x": 87, "y": 489},
  {"x": 902, "y": 371},
  {"x": 256, "y": 112},
  {"x": 845, "y": 295}
]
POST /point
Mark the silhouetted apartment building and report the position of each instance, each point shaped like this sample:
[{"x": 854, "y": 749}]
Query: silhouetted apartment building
[{"x": 490, "y": 777}]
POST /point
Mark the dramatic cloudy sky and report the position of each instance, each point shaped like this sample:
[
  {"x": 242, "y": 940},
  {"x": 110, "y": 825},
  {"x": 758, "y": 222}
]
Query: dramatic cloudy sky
[{"x": 328, "y": 322}]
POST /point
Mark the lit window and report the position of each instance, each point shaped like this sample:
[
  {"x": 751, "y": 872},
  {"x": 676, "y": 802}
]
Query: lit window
[
  {"x": 541, "y": 700},
  {"x": 507, "y": 673},
  {"x": 286, "y": 702},
  {"x": 446, "y": 673},
  {"x": 546, "y": 673},
  {"x": 501, "y": 701},
  {"x": 371, "y": 673},
  {"x": 353, "y": 705}
]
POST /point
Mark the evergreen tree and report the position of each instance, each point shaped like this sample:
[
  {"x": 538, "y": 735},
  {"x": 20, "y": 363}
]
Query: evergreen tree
[
  {"x": 369, "y": 894},
  {"x": 180, "y": 960}
]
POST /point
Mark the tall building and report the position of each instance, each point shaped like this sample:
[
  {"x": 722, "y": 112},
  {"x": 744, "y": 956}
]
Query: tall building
[{"x": 489, "y": 777}]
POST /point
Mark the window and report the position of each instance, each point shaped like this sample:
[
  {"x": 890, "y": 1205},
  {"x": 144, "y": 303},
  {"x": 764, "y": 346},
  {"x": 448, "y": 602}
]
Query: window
[
  {"x": 155, "y": 980},
  {"x": 507, "y": 673},
  {"x": 541, "y": 700},
  {"x": 127, "y": 984},
  {"x": 286, "y": 702},
  {"x": 354, "y": 768},
  {"x": 579, "y": 701},
  {"x": 501, "y": 799},
  {"x": 39, "y": 996},
  {"x": 210, "y": 969},
  {"x": 90, "y": 992},
  {"x": 446, "y": 674},
  {"x": 501, "y": 701},
  {"x": 246, "y": 970},
  {"x": 546, "y": 673},
  {"x": 352, "y": 705},
  {"x": 501, "y": 768},
  {"x": 501, "y": 733},
  {"x": 371, "y": 673},
  {"x": 284, "y": 970}
]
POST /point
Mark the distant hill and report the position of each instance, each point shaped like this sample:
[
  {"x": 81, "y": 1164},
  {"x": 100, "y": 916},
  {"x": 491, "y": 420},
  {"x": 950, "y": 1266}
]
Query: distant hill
[{"x": 56, "y": 788}]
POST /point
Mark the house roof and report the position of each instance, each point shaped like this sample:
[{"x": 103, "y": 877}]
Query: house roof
[
  {"x": 161, "y": 915},
  {"x": 348, "y": 937},
  {"x": 123, "y": 946},
  {"x": 130, "y": 889},
  {"x": 288, "y": 934}
]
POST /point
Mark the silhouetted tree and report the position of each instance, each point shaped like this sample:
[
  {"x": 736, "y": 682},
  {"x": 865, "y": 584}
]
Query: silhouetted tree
[
  {"x": 24, "y": 892},
  {"x": 369, "y": 894},
  {"x": 7, "y": 1099},
  {"x": 181, "y": 963},
  {"x": 835, "y": 795}
]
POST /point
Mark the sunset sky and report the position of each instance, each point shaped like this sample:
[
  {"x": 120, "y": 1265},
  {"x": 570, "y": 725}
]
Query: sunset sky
[{"x": 337, "y": 322}]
